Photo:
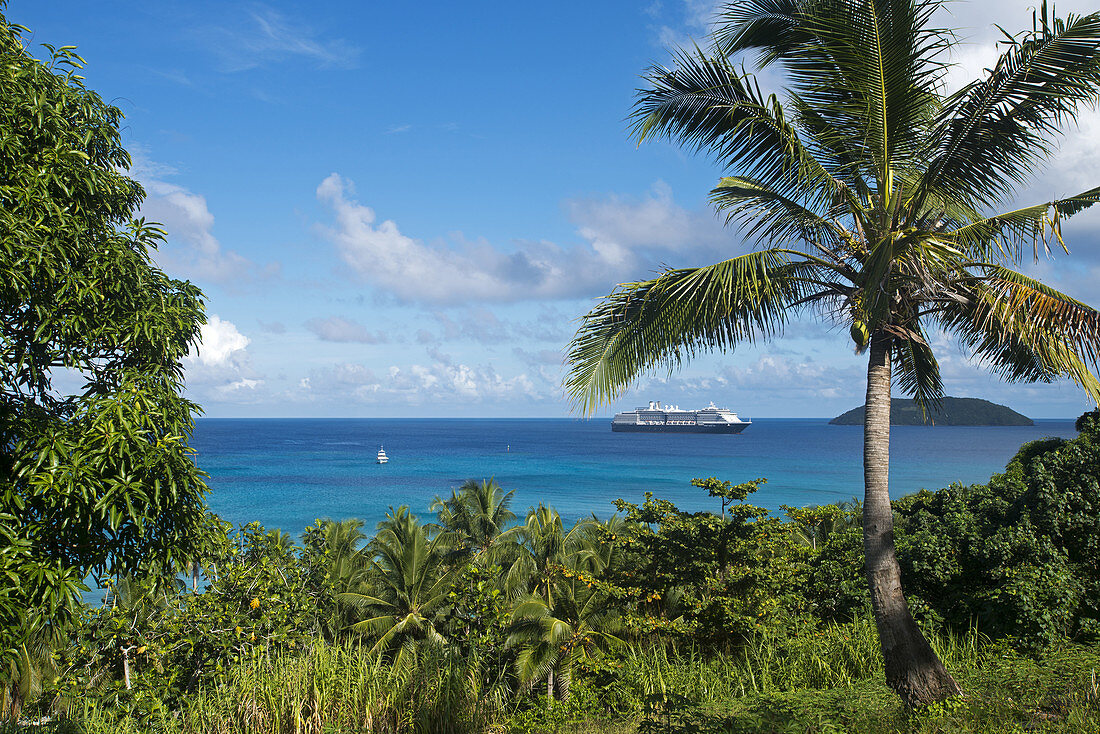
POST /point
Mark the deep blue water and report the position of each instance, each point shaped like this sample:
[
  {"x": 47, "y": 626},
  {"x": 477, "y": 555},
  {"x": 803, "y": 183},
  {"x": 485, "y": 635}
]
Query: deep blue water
[{"x": 287, "y": 472}]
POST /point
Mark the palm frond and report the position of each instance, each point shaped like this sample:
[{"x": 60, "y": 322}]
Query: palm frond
[
  {"x": 873, "y": 75},
  {"x": 772, "y": 28},
  {"x": 862, "y": 73},
  {"x": 667, "y": 319},
  {"x": 1025, "y": 330},
  {"x": 916, "y": 370},
  {"x": 1005, "y": 235},
  {"x": 708, "y": 105},
  {"x": 361, "y": 601},
  {"x": 769, "y": 216},
  {"x": 991, "y": 133}
]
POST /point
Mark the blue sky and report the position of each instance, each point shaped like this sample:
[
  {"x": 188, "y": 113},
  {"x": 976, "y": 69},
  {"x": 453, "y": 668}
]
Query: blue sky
[{"x": 401, "y": 209}]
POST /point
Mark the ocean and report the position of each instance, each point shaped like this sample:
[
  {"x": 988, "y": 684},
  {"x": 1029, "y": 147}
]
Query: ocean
[{"x": 285, "y": 473}]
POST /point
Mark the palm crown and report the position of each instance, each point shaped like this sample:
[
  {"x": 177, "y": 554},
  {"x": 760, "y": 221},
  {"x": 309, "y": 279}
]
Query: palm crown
[{"x": 884, "y": 182}]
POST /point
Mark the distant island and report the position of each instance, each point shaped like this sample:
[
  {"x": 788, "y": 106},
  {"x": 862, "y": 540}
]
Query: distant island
[{"x": 952, "y": 412}]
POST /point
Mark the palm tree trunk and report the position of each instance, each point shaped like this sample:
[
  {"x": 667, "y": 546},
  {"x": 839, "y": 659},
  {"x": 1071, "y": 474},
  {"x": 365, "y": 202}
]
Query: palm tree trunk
[{"x": 912, "y": 668}]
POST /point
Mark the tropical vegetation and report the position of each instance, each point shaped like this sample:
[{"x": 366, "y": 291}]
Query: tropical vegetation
[
  {"x": 875, "y": 195},
  {"x": 480, "y": 619},
  {"x": 737, "y": 619}
]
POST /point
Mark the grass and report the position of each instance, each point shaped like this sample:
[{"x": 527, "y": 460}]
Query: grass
[
  {"x": 827, "y": 681},
  {"x": 831, "y": 682}
]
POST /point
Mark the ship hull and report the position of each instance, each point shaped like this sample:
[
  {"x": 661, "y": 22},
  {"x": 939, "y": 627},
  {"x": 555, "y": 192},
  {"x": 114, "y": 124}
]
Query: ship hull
[{"x": 643, "y": 428}]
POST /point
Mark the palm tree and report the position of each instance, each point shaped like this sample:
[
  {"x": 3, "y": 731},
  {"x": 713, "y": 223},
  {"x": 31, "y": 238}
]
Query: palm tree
[
  {"x": 545, "y": 547},
  {"x": 869, "y": 191},
  {"x": 551, "y": 638},
  {"x": 33, "y": 664},
  {"x": 340, "y": 543},
  {"x": 477, "y": 514},
  {"x": 406, "y": 585},
  {"x": 335, "y": 553}
]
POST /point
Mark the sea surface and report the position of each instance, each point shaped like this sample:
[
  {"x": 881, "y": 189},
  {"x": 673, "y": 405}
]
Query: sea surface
[{"x": 286, "y": 473}]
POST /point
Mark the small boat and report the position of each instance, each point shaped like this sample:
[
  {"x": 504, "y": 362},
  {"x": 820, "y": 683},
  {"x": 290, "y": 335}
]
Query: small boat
[{"x": 382, "y": 458}]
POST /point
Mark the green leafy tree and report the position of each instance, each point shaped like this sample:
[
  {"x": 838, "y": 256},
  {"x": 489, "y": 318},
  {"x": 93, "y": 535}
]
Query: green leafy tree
[
  {"x": 716, "y": 580},
  {"x": 100, "y": 481},
  {"x": 872, "y": 195},
  {"x": 1019, "y": 555},
  {"x": 152, "y": 644}
]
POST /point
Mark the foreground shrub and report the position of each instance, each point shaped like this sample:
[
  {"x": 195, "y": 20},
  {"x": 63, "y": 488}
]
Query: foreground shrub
[{"x": 1019, "y": 556}]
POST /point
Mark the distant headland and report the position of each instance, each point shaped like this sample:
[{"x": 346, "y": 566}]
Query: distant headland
[{"x": 952, "y": 412}]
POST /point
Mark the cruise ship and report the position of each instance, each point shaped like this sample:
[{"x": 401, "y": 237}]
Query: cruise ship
[{"x": 670, "y": 419}]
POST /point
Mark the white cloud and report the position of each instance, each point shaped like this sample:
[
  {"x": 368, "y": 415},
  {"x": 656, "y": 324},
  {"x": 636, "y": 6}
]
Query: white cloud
[
  {"x": 441, "y": 383},
  {"x": 1074, "y": 166},
  {"x": 413, "y": 271},
  {"x": 244, "y": 383},
  {"x": 627, "y": 232},
  {"x": 339, "y": 382},
  {"x": 624, "y": 238},
  {"x": 192, "y": 250},
  {"x": 219, "y": 367},
  {"x": 219, "y": 343},
  {"x": 975, "y": 20}
]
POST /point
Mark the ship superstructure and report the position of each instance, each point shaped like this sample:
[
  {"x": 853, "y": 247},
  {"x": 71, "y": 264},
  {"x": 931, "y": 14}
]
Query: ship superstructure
[{"x": 671, "y": 419}]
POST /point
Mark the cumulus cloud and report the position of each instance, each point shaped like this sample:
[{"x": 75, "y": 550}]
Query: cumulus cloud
[
  {"x": 624, "y": 239},
  {"x": 628, "y": 231},
  {"x": 341, "y": 381},
  {"x": 218, "y": 366},
  {"x": 219, "y": 343},
  {"x": 414, "y": 271},
  {"x": 192, "y": 250},
  {"x": 339, "y": 329}
]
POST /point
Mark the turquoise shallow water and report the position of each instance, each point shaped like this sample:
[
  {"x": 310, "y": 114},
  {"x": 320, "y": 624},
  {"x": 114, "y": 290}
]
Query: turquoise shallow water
[{"x": 286, "y": 473}]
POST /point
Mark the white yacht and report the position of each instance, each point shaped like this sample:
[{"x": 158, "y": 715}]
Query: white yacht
[
  {"x": 382, "y": 458},
  {"x": 671, "y": 419}
]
